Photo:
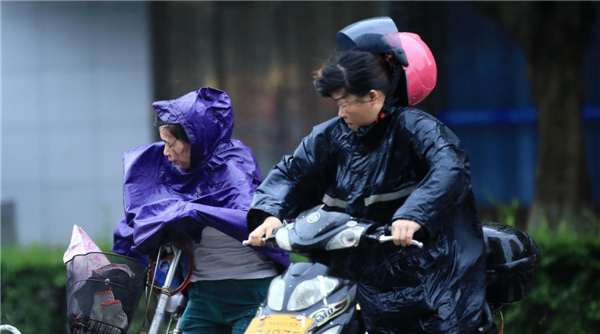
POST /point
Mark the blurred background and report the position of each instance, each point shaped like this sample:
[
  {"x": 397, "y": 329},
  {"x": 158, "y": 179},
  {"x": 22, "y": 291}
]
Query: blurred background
[
  {"x": 79, "y": 78},
  {"x": 518, "y": 82}
]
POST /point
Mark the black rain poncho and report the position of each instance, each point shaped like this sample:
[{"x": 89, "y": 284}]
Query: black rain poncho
[{"x": 407, "y": 165}]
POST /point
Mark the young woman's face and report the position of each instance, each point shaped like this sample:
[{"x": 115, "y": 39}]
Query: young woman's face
[
  {"x": 178, "y": 152},
  {"x": 358, "y": 111}
]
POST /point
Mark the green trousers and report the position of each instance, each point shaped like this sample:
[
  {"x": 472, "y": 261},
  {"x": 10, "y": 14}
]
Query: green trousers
[{"x": 224, "y": 306}]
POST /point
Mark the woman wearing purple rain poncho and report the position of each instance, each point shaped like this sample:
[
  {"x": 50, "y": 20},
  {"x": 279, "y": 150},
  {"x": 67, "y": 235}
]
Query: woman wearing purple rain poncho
[{"x": 198, "y": 183}]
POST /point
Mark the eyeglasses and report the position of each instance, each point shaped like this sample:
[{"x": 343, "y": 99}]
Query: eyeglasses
[
  {"x": 343, "y": 104},
  {"x": 170, "y": 145}
]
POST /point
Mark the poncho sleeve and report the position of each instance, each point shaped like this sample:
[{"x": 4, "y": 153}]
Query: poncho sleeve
[
  {"x": 297, "y": 182},
  {"x": 447, "y": 180}
]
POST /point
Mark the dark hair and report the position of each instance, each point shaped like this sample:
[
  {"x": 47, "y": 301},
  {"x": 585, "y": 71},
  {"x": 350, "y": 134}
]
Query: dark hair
[
  {"x": 175, "y": 129},
  {"x": 356, "y": 72}
]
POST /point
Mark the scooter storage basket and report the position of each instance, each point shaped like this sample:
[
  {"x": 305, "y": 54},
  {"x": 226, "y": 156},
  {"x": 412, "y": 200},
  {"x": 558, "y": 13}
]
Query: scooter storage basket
[
  {"x": 512, "y": 261},
  {"x": 103, "y": 291}
]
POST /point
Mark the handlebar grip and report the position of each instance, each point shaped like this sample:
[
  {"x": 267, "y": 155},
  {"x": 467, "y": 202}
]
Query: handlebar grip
[
  {"x": 421, "y": 234},
  {"x": 247, "y": 242},
  {"x": 417, "y": 243},
  {"x": 386, "y": 238}
]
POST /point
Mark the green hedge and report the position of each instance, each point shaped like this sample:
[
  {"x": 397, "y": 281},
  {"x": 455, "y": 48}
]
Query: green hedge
[
  {"x": 566, "y": 296},
  {"x": 565, "y": 300},
  {"x": 33, "y": 290}
]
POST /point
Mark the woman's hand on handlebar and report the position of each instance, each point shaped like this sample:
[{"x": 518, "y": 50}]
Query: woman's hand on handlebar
[
  {"x": 403, "y": 231},
  {"x": 264, "y": 230}
]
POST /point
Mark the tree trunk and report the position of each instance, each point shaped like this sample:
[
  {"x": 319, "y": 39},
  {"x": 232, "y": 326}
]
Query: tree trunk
[
  {"x": 554, "y": 36},
  {"x": 562, "y": 181}
]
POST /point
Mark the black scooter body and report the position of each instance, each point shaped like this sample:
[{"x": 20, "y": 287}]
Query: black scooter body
[
  {"x": 308, "y": 236},
  {"x": 512, "y": 257}
]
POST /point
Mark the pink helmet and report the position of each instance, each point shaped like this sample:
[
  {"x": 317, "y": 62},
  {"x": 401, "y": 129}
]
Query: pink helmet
[{"x": 418, "y": 76}]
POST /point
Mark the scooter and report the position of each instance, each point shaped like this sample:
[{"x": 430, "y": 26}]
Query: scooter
[{"x": 317, "y": 297}]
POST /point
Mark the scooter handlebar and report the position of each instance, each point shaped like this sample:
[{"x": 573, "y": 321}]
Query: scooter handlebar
[
  {"x": 386, "y": 238},
  {"x": 247, "y": 242},
  {"x": 382, "y": 239}
]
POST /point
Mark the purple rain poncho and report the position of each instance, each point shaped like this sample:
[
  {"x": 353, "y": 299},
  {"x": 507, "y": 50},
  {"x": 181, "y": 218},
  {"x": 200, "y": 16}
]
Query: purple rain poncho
[{"x": 161, "y": 201}]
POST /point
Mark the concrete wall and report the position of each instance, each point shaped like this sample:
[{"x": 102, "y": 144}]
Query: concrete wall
[{"x": 76, "y": 93}]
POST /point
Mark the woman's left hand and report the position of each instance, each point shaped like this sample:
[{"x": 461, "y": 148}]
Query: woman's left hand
[
  {"x": 264, "y": 230},
  {"x": 403, "y": 231}
]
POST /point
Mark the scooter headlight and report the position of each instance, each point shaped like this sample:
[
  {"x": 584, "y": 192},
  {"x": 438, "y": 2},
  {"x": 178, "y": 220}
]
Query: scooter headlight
[
  {"x": 282, "y": 237},
  {"x": 276, "y": 294},
  {"x": 346, "y": 238},
  {"x": 311, "y": 292}
]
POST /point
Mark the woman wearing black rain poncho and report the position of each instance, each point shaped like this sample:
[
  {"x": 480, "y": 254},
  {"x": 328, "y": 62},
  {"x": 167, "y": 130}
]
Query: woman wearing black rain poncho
[{"x": 386, "y": 161}]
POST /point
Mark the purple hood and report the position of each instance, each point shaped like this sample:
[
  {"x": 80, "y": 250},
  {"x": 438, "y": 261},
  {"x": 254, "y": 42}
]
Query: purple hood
[{"x": 161, "y": 201}]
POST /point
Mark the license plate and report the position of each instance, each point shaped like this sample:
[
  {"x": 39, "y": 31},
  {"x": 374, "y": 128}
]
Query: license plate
[{"x": 280, "y": 324}]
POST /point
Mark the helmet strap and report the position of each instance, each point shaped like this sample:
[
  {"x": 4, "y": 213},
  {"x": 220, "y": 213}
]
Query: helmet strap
[{"x": 398, "y": 93}]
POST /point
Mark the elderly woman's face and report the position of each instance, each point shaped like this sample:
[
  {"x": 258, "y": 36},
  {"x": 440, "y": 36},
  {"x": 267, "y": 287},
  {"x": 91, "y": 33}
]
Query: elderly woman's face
[
  {"x": 178, "y": 152},
  {"x": 358, "y": 111}
]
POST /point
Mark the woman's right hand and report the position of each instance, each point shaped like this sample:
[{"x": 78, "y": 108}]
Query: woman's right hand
[{"x": 264, "y": 230}]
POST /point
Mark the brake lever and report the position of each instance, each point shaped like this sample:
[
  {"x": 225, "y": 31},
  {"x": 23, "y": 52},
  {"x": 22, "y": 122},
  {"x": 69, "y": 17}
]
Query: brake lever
[
  {"x": 420, "y": 234},
  {"x": 270, "y": 240},
  {"x": 386, "y": 238},
  {"x": 247, "y": 242}
]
